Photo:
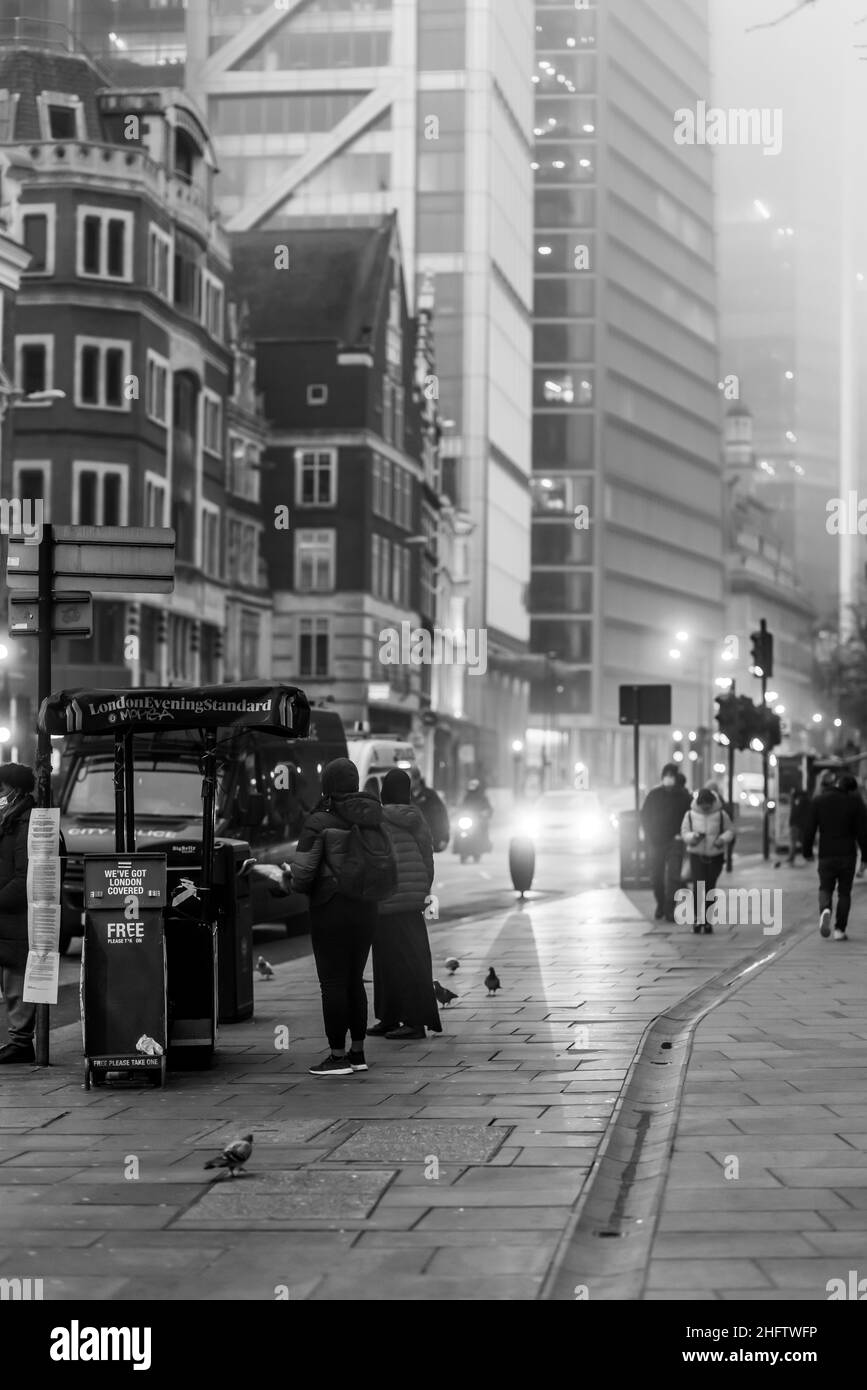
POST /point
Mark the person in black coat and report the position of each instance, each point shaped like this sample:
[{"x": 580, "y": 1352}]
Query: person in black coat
[
  {"x": 16, "y": 802},
  {"x": 661, "y": 816},
  {"x": 432, "y": 808},
  {"x": 839, "y": 817},
  {"x": 341, "y": 928},
  {"x": 799, "y": 809},
  {"x": 403, "y": 993}
]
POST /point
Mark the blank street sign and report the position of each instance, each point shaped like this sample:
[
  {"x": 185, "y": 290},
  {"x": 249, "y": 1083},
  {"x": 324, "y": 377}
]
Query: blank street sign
[
  {"x": 71, "y": 615},
  {"x": 102, "y": 559}
]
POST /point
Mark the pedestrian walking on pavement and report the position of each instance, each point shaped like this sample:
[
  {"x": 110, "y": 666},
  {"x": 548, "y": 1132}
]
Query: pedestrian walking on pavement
[
  {"x": 403, "y": 990},
  {"x": 839, "y": 817},
  {"x": 799, "y": 807},
  {"x": 342, "y": 926},
  {"x": 661, "y": 815},
  {"x": 17, "y": 783},
  {"x": 433, "y": 809},
  {"x": 706, "y": 830}
]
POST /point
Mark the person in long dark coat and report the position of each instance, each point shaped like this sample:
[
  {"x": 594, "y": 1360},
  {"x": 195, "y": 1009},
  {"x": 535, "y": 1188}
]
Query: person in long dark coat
[{"x": 403, "y": 994}]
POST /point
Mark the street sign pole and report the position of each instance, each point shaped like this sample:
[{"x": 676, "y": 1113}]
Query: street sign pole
[{"x": 43, "y": 739}]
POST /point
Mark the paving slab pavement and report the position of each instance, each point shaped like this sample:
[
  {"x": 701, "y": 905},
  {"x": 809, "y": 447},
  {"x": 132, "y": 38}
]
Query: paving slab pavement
[
  {"x": 766, "y": 1194},
  {"x": 450, "y": 1169}
]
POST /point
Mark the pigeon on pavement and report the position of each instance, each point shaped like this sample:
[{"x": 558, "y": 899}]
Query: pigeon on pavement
[
  {"x": 444, "y": 996},
  {"x": 234, "y": 1155},
  {"x": 264, "y": 968},
  {"x": 452, "y": 965},
  {"x": 492, "y": 981}
]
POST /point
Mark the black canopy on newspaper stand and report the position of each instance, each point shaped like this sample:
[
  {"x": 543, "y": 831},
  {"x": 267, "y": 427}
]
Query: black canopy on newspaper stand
[
  {"x": 126, "y": 989},
  {"x": 276, "y": 709}
]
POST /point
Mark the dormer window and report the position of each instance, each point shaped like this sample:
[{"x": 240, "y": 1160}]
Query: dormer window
[{"x": 61, "y": 116}]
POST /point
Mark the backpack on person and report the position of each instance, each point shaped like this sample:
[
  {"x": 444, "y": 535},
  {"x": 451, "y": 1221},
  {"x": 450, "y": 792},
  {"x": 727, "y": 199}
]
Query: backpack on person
[{"x": 368, "y": 871}]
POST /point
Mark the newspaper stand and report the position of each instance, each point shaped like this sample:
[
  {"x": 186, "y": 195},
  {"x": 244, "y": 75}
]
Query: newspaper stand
[
  {"x": 187, "y": 989},
  {"x": 123, "y": 972}
]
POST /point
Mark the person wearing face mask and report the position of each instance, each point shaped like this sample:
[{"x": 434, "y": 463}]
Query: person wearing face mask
[
  {"x": 16, "y": 802},
  {"x": 661, "y": 815}
]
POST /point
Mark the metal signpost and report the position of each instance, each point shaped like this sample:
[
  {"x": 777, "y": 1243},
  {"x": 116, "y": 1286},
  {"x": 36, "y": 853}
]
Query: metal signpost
[
  {"x": 639, "y": 704},
  {"x": 56, "y": 579}
]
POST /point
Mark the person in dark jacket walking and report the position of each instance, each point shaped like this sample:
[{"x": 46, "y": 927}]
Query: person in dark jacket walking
[
  {"x": 403, "y": 992},
  {"x": 342, "y": 928},
  {"x": 839, "y": 817},
  {"x": 799, "y": 809},
  {"x": 661, "y": 815},
  {"x": 432, "y": 808},
  {"x": 16, "y": 802}
]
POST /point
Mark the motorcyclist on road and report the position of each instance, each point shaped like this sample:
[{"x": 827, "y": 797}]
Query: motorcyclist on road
[{"x": 476, "y": 803}]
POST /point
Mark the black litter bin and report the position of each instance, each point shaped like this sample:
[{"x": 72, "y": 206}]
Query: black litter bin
[
  {"x": 634, "y": 866},
  {"x": 234, "y": 932},
  {"x": 191, "y": 950}
]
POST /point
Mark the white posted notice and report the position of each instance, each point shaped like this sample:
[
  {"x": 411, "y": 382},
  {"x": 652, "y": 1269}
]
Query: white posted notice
[{"x": 42, "y": 973}]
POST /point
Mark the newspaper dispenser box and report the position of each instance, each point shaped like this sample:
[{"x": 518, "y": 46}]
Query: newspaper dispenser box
[{"x": 123, "y": 968}]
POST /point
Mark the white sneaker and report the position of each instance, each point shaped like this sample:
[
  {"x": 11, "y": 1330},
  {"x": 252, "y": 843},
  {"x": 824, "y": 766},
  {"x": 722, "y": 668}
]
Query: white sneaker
[
  {"x": 825, "y": 922},
  {"x": 840, "y": 935}
]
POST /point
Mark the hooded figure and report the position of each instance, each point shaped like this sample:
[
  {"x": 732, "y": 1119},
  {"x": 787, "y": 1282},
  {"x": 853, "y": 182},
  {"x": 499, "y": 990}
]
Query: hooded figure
[
  {"x": 403, "y": 993},
  {"x": 16, "y": 802},
  {"x": 663, "y": 810},
  {"x": 706, "y": 830},
  {"x": 432, "y": 808},
  {"x": 839, "y": 818},
  {"x": 341, "y": 928}
]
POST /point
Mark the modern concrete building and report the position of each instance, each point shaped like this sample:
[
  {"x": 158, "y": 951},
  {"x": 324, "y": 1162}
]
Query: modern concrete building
[
  {"x": 627, "y": 482},
  {"x": 328, "y": 111},
  {"x": 762, "y": 582}
]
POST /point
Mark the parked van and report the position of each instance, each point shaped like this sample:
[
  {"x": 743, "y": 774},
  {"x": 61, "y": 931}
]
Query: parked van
[
  {"x": 374, "y": 757},
  {"x": 267, "y": 785}
]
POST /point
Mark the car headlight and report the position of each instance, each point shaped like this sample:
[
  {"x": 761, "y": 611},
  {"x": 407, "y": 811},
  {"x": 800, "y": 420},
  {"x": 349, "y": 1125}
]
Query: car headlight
[{"x": 465, "y": 823}]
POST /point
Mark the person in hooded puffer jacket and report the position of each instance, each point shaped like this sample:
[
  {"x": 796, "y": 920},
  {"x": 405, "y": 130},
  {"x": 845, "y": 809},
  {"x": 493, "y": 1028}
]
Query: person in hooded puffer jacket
[
  {"x": 341, "y": 928},
  {"x": 403, "y": 993},
  {"x": 706, "y": 829},
  {"x": 16, "y": 802}
]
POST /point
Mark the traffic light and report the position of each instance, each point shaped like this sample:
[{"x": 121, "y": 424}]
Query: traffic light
[
  {"x": 736, "y": 719},
  {"x": 762, "y": 651},
  {"x": 677, "y": 746}
]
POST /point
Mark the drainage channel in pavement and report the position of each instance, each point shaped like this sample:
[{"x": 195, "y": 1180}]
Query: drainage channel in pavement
[{"x": 605, "y": 1250}]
